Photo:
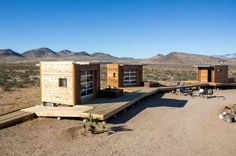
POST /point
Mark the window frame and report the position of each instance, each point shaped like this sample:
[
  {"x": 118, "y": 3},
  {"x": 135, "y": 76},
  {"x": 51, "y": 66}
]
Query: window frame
[
  {"x": 130, "y": 77},
  {"x": 89, "y": 85}
]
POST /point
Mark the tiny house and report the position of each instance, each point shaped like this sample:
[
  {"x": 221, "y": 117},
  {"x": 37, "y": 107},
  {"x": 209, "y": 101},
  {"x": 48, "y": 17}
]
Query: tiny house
[
  {"x": 68, "y": 82},
  {"x": 124, "y": 75},
  {"x": 212, "y": 73}
]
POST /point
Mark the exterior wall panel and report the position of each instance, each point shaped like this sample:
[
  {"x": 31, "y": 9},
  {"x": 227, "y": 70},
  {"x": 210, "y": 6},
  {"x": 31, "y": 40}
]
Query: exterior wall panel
[
  {"x": 50, "y": 74},
  {"x": 52, "y": 71},
  {"x": 115, "y": 75},
  {"x": 219, "y": 74}
]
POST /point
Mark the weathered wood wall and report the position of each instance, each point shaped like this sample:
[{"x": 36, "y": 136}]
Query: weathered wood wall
[
  {"x": 118, "y": 70},
  {"x": 111, "y": 80},
  {"x": 203, "y": 74},
  {"x": 221, "y": 74},
  {"x": 51, "y": 72},
  {"x": 50, "y": 90}
]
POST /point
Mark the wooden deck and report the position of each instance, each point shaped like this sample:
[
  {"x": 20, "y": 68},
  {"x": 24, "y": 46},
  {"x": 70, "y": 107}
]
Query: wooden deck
[
  {"x": 76, "y": 111},
  {"x": 15, "y": 117},
  {"x": 222, "y": 84},
  {"x": 103, "y": 108}
]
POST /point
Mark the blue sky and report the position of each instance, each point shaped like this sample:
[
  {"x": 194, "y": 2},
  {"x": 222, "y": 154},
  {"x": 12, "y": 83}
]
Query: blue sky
[{"x": 129, "y": 28}]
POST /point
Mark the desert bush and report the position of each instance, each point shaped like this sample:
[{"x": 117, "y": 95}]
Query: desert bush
[
  {"x": 2, "y": 81},
  {"x": 26, "y": 80},
  {"x": 91, "y": 126},
  {"x": 20, "y": 84},
  {"x": 20, "y": 75},
  {"x": 159, "y": 72},
  {"x": 7, "y": 86}
]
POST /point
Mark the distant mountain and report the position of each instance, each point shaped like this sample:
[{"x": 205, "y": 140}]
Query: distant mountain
[
  {"x": 68, "y": 53},
  {"x": 185, "y": 58},
  {"x": 104, "y": 56},
  {"x": 233, "y": 55},
  {"x": 82, "y": 53},
  {"x": 40, "y": 53},
  {"x": 65, "y": 53},
  {"x": 9, "y": 53}
]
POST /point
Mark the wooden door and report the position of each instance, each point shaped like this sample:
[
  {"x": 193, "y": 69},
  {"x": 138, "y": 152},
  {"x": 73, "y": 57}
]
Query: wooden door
[{"x": 204, "y": 75}]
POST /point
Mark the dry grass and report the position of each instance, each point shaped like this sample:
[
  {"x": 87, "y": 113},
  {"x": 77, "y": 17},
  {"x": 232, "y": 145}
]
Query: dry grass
[
  {"x": 19, "y": 98},
  {"x": 168, "y": 74},
  {"x": 19, "y": 75}
]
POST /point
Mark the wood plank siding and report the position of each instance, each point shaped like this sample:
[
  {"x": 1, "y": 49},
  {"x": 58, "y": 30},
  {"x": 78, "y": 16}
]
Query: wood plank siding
[
  {"x": 52, "y": 71},
  {"x": 214, "y": 74},
  {"x": 116, "y": 75}
]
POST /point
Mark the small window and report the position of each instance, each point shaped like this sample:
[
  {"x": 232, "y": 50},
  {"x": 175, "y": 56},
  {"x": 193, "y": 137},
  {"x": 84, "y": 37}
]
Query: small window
[
  {"x": 114, "y": 75},
  {"x": 62, "y": 82}
]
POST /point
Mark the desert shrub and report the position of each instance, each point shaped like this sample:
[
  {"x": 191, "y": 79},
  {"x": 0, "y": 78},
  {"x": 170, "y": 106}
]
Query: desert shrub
[
  {"x": 30, "y": 72},
  {"x": 2, "y": 81},
  {"x": 91, "y": 126},
  {"x": 7, "y": 86},
  {"x": 20, "y": 75},
  {"x": 36, "y": 81},
  {"x": 3, "y": 78},
  {"x": 23, "y": 75},
  {"x": 20, "y": 84},
  {"x": 26, "y": 80},
  {"x": 160, "y": 72}
]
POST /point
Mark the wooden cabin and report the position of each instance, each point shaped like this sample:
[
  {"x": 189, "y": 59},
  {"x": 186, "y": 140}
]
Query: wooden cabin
[
  {"x": 212, "y": 73},
  {"x": 68, "y": 82},
  {"x": 123, "y": 75}
]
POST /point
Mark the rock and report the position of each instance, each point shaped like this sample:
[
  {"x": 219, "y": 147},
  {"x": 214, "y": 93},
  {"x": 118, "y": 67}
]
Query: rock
[
  {"x": 221, "y": 116},
  {"x": 228, "y": 118}
]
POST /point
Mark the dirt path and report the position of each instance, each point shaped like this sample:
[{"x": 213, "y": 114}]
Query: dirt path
[{"x": 163, "y": 125}]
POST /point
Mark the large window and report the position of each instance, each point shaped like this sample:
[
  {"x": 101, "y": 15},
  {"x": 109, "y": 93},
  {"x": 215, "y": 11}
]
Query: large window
[
  {"x": 130, "y": 77},
  {"x": 86, "y": 82}
]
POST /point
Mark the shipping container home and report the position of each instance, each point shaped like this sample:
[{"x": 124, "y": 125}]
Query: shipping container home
[
  {"x": 212, "y": 73},
  {"x": 68, "y": 82},
  {"x": 124, "y": 75}
]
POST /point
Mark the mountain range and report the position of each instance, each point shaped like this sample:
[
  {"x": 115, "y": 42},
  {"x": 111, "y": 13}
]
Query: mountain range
[
  {"x": 36, "y": 55},
  {"x": 233, "y": 55}
]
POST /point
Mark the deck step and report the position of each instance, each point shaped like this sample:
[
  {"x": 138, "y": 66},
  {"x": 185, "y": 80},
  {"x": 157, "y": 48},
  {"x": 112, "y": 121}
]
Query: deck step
[{"x": 13, "y": 118}]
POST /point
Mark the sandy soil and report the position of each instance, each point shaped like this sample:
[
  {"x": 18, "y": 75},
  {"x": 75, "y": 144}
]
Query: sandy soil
[
  {"x": 163, "y": 125},
  {"x": 19, "y": 98}
]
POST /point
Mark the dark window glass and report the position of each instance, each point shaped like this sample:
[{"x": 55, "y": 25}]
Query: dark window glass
[{"x": 62, "y": 82}]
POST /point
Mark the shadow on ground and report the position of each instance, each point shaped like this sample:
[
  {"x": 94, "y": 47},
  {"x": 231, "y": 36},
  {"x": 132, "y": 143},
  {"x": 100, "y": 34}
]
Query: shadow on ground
[
  {"x": 119, "y": 128},
  {"x": 155, "y": 101}
]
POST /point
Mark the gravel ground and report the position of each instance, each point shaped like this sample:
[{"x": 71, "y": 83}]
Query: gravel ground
[{"x": 163, "y": 125}]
